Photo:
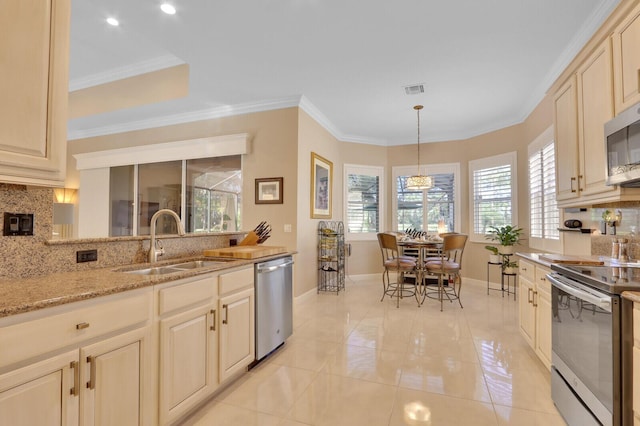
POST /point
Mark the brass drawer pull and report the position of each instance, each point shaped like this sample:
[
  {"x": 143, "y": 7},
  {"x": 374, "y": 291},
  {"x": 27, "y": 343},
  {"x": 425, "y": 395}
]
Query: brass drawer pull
[
  {"x": 76, "y": 378},
  {"x": 91, "y": 384},
  {"x": 213, "y": 323},
  {"x": 82, "y": 326},
  {"x": 226, "y": 314}
]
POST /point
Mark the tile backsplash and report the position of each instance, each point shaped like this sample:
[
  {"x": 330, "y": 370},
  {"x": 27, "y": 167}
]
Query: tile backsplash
[
  {"x": 627, "y": 227},
  {"x": 29, "y": 256}
]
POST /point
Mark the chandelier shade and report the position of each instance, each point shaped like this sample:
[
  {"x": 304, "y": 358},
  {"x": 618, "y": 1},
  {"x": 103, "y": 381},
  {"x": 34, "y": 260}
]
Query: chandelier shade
[{"x": 419, "y": 181}]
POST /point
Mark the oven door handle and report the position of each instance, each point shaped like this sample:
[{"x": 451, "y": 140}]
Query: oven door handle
[{"x": 601, "y": 302}]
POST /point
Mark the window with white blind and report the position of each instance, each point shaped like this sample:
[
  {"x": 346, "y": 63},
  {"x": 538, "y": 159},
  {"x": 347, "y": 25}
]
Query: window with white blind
[
  {"x": 543, "y": 210},
  {"x": 493, "y": 193},
  {"x": 426, "y": 210},
  {"x": 363, "y": 201}
]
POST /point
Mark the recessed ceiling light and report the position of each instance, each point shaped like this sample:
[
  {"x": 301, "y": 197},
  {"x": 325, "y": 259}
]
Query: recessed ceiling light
[
  {"x": 168, "y": 8},
  {"x": 113, "y": 21}
]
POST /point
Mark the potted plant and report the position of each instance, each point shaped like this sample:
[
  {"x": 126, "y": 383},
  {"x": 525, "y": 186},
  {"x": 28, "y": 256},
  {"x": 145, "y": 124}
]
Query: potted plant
[
  {"x": 494, "y": 257},
  {"x": 509, "y": 266},
  {"x": 507, "y": 236}
]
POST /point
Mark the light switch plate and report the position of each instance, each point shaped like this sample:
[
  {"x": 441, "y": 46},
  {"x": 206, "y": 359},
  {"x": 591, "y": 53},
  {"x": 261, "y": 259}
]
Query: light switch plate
[{"x": 18, "y": 224}]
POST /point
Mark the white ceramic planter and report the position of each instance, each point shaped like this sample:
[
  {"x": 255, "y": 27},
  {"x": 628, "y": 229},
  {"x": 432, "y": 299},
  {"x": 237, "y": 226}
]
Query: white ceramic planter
[
  {"x": 510, "y": 270},
  {"x": 495, "y": 258},
  {"x": 505, "y": 249}
]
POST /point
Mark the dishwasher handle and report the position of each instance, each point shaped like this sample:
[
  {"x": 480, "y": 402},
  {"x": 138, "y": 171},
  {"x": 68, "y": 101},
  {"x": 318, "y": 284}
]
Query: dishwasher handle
[{"x": 264, "y": 269}]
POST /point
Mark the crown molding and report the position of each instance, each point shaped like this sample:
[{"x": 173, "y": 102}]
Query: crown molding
[
  {"x": 186, "y": 117},
  {"x": 131, "y": 70}
]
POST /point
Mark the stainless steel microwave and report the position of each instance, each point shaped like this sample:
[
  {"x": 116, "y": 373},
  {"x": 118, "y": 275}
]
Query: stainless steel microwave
[{"x": 622, "y": 139}]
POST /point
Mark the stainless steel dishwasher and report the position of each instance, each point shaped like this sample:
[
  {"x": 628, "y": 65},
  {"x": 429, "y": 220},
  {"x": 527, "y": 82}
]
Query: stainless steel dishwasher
[{"x": 274, "y": 304}]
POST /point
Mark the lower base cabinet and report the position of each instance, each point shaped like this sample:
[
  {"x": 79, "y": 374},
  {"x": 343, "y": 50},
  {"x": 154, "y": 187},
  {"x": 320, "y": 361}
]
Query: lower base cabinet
[
  {"x": 237, "y": 324},
  {"x": 534, "y": 316},
  {"x": 81, "y": 384},
  {"x": 48, "y": 385},
  {"x": 188, "y": 361}
]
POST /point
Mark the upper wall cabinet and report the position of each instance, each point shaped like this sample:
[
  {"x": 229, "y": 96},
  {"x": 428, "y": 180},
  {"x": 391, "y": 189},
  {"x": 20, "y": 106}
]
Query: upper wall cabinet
[
  {"x": 565, "y": 118},
  {"x": 626, "y": 57},
  {"x": 34, "y": 58},
  {"x": 595, "y": 107},
  {"x": 581, "y": 107}
]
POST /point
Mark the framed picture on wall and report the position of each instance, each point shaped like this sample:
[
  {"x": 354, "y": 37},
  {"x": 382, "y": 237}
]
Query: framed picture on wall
[
  {"x": 321, "y": 184},
  {"x": 269, "y": 190}
]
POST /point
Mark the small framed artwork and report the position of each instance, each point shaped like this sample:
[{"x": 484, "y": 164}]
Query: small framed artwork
[
  {"x": 321, "y": 184},
  {"x": 269, "y": 190}
]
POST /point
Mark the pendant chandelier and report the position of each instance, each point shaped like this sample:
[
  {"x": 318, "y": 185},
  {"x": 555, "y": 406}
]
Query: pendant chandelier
[{"x": 419, "y": 181}]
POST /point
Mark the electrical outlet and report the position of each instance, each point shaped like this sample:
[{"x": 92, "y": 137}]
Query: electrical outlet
[{"x": 86, "y": 256}]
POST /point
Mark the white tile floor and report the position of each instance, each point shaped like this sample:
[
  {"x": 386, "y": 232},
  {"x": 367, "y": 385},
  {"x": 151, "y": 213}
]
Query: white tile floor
[{"x": 354, "y": 360}]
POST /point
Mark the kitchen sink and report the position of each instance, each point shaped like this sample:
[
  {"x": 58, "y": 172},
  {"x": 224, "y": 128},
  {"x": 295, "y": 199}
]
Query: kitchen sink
[{"x": 176, "y": 267}]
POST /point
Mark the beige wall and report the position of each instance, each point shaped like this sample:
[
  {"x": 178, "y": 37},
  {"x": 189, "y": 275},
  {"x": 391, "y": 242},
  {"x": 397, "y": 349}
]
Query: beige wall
[{"x": 313, "y": 138}]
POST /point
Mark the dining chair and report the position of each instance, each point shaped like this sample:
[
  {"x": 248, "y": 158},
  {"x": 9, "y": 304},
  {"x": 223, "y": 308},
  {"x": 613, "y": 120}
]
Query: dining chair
[
  {"x": 448, "y": 264},
  {"x": 393, "y": 261}
]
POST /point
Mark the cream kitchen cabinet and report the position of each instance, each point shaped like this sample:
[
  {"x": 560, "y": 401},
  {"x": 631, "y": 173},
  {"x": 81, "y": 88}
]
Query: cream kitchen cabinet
[
  {"x": 188, "y": 345},
  {"x": 626, "y": 57},
  {"x": 565, "y": 110},
  {"x": 534, "y": 318},
  {"x": 237, "y": 327},
  {"x": 85, "y": 362},
  {"x": 581, "y": 107},
  {"x": 34, "y": 41}
]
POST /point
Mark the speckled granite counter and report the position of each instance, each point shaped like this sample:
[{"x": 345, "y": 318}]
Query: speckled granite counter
[
  {"x": 534, "y": 257},
  {"x": 24, "y": 295}
]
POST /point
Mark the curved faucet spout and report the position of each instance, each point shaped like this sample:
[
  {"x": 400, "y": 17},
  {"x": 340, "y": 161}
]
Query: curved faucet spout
[{"x": 153, "y": 251}]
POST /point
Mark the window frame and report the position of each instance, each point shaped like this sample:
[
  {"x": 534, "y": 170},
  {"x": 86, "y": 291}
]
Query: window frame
[
  {"x": 508, "y": 158},
  {"x": 440, "y": 168},
  {"x": 365, "y": 170},
  {"x": 545, "y": 244}
]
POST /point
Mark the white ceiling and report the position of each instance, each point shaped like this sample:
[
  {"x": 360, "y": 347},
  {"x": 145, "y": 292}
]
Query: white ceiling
[{"x": 485, "y": 63}]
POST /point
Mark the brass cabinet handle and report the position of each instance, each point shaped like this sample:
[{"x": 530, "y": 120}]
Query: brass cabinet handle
[
  {"x": 535, "y": 295},
  {"x": 76, "y": 377},
  {"x": 580, "y": 177},
  {"x": 529, "y": 299},
  {"x": 226, "y": 314},
  {"x": 82, "y": 326},
  {"x": 91, "y": 384},
  {"x": 573, "y": 179},
  {"x": 213, "y": 322}
]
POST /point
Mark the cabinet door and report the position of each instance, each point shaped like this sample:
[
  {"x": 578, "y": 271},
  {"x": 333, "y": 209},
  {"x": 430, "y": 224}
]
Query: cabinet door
[
  {"x": 34, "y": 40},
  {"x": 112, "y": 377},
  {"x": 188, "y": 361},
  {"x": 543, "y": 327},
  {"x": 566, "y": 135},
  {"x": 527, "y": 314},
  {"x": 237, "y": 328},
  {"x": 626, "y": 57},
  {"x": 45, "y": 393},
  {"x": 595, "y": 107}
]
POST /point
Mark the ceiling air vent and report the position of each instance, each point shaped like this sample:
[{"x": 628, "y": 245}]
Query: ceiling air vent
[{"x": 414, "y": 89}]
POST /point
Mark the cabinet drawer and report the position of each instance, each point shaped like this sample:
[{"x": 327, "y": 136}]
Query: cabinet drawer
[
  {"x": 526, "y": 270},
  {"x": 234, "y": 281},
  {"x": 72, "y": 324},
  {"x": 636, "y": 379},
  {"x": 184, "y": 295},
  {"x": 542, "y": 284}
]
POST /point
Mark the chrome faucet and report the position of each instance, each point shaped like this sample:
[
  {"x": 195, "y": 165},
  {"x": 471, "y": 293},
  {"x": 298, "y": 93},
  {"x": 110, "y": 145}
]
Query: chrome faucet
[{"x": 154, "y": 251}]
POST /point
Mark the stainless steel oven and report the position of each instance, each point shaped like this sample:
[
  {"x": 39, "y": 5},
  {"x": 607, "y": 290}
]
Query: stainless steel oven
[{"x": 589, "y": 345}]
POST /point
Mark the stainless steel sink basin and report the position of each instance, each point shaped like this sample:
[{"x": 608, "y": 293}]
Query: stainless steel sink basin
[{"x": 176, "y": 267}]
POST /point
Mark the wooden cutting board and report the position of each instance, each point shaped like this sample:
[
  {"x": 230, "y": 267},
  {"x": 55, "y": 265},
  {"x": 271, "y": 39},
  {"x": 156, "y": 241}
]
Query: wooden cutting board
[
  {"x": 245, "y": 252},
  {"x": 564, "y": 258}
]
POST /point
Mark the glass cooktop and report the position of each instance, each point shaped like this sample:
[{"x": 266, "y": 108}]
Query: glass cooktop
[{"x": 612, "y": 279}]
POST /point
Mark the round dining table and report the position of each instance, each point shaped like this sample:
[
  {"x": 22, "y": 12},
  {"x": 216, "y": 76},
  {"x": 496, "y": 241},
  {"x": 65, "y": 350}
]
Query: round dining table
[{"x": 422, "y": 245}]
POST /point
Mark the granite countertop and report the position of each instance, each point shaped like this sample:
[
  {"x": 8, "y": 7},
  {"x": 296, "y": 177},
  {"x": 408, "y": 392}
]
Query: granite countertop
[
  {"x": 534, "y": 257},
  {"x": 29, "y": 294}
]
